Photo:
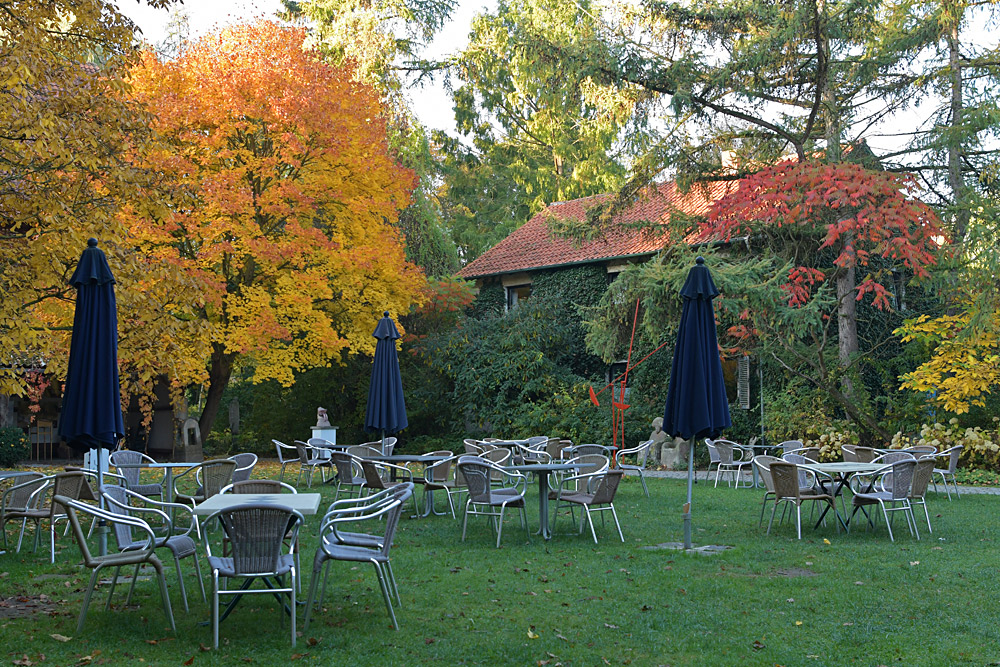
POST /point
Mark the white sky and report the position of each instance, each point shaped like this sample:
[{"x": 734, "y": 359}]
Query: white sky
[{"x": 431, "y": 103}]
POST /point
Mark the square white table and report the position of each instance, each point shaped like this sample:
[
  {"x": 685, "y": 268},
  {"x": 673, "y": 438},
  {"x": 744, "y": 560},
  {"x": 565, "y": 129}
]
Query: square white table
[{"x": 304, "y": 503}]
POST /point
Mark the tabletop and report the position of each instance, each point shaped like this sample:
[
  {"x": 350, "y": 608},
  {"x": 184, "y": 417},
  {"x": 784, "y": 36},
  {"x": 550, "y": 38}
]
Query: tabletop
[
  {"x": 168, "y": 464},
  {"x": 542, "y": 467},
  {"x": 305, "y": 503},
  {"x": 408, "y": 458},
  {"x": 843, "y": 467}
]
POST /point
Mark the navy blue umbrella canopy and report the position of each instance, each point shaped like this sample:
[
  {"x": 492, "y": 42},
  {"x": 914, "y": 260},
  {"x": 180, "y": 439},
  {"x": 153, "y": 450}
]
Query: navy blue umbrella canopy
[
  {"x": 697, "y": 406},
  {"x": 386, "y": 411},
  {"x": 91, "y": 408}
]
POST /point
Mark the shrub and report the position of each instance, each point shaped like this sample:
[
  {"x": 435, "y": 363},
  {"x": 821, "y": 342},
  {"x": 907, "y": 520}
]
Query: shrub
[
  {"x": 981, "y": 447},
  {"x": 14, "y": 446}
]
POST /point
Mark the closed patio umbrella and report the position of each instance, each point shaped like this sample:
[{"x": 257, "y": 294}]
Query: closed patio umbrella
[
  {"x": 696, "y": 405},
  {"x": 91, "y": 414},
  {"x": 386, "y": 411}
]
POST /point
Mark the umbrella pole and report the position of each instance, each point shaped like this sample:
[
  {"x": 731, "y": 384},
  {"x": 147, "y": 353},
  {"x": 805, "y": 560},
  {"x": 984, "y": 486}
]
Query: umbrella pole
[
  {"x": 102, "y": 525},
  {"x": 687, "y": 506}
]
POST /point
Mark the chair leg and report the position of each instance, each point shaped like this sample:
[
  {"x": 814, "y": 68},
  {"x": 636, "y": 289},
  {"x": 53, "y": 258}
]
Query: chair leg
[
  {"x": 294, "y": 581},
  {"x": 215, "y": 609},
  {"x": 885, "y": 515},
  {"x": 798, "y": 520},
  {"x": 114, "y": 582},
  {"x": 642, "y": 478},
  {"x": 87, "y": 597},
  {"x": 131, "y": 588},
  {"x": 201, "y": 583},
  {"x": 384, "y": 585},
  {"x": 771, "y": 521},
  {"x": 465, "y": 518},
  {"x": 590, "y": 521},
  {"x": 180, "y": 578},
  {"x": 500, "y": 525},
  {"x": 614, "y": 514},
  {"x": 317, "y": 571},
  {"x": 165, "y": 595}
]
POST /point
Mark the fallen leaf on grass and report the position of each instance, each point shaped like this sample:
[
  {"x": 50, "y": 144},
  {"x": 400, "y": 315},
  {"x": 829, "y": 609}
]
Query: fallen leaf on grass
[
  {"x": 613, "y": 627},
  {"x": 758, "y": 645},
  {"x": 797, "y": 623},
  {"x": 189, "y": 661},
  {"x": 24, "y": 661},
  {"x": 429, "y": 640},
  {"x": 60, "y": 638},
  {"x": 914, "y": 562},
  {"x": 532, "y": 635},
  {"x": 826, "y": 541},
  {"x": 204, "y": 648}
]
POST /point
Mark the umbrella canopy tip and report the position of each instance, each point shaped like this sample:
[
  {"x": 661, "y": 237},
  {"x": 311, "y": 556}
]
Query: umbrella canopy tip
[
  {"x": 700, "y": 260},
  {"x": 385, "y": 313},
  {"x": 91, "y": 242}
]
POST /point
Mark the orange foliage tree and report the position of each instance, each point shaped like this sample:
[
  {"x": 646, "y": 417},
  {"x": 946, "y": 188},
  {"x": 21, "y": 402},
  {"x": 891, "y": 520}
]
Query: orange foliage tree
[{"x": 286, "y": 192}]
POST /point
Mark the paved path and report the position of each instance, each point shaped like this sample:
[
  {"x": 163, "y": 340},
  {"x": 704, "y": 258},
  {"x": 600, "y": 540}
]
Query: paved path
[{"x": 702, "y": 477}]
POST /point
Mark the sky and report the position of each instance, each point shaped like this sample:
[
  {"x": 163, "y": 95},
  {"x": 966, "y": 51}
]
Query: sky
[{"x": 430, "y": 102}]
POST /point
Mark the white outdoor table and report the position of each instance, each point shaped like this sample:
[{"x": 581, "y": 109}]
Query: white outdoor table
[
  {"x": 841, "y": 472},
  {"x": 542, "y": 471},
  {"x": 304, "y": 503}
]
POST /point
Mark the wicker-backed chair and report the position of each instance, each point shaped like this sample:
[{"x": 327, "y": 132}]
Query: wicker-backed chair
[
  {"x": 500, "y": 456},
  {"x": 20, "y": 501},
  {"x": 713, "y": 459},
  {"x": 890, "y": 496},
  {"x": 379, "y": 477},
  {"x": 334, "y": 545},
  {"x": 257, "y": 534},
  {"x": 135, "y": 557},
  {"x": 181, "y": 545},
  {"x": 487, "y": 501},
  {"x": 364, "y": 451},
  {"x": 641, "y": 453},
  {"x": 785, "y": 477},
  {"x": 733, "y": 458},
  {"x": 922, "y": 475},
  {"x": 849, "y": 454},
  {"x": 348, "y": 472},
  {"x": 790, "y": 446},
  {"x": 33, "y": 501},
  {"x": 286, "y": 454},
  {"x": 601, "y": 500},
  {"x": 259, "y": 486},
  {"x": 244, "y": 466},
  {"x": 580, "y": 450},
  {"x": 865, "y": 454},
  {"x": 438, "y": 477},
  {"x": 894, "y": 456},
  {"x": 951, "y": 455},
  {"x": 129, "y": 465},
  {"x": 312, "y": 458},
  {"x": 472, "y": 447},
  {"x": 763, "y": 464},
  {"x": 207, "y": 478},
  {"x": 922, "y": 450}
]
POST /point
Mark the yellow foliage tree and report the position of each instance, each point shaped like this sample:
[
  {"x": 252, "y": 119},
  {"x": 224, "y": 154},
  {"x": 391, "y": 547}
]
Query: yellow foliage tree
[
  {"x": 965, "y": 359},
  {"x": 286, "y": 192},
  {"x": 68, "y": 131}
]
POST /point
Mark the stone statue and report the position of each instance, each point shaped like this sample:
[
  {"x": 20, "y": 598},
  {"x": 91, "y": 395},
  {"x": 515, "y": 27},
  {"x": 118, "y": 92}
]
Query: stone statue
[
  {"x": 664, "y": 449},
  {"x": 322, "y": 420}
]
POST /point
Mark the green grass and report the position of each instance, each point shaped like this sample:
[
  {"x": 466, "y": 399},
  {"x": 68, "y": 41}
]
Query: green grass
[{"x": 769, "y": 600}]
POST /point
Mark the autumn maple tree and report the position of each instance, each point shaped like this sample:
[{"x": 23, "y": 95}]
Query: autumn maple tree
[
  {"x": 286, "y": 192},
  {"x": 68, "y": 136},
  {"x": 839, "y": 234}
]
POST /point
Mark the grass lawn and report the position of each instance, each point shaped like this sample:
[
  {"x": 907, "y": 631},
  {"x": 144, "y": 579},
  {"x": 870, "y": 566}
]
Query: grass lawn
[{"x": 859, "y": 599}]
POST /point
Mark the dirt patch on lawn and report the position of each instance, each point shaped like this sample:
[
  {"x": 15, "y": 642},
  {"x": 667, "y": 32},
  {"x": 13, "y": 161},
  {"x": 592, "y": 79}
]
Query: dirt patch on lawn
[
  {"x": 794, "y": 572},
  {"x": 23, "y": 606}
]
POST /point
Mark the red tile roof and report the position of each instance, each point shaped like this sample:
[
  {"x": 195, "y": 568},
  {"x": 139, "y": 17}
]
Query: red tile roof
[{"x": 532, "y": 246}]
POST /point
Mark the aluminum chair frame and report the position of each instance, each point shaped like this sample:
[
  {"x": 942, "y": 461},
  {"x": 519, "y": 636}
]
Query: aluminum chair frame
[
  {"x": 118, "y": 560},
  {"x": 953, "y": 454},
  {"x": 256, "y": 556},
  {"x": 282, "y": 459},
  {"x": 484, "y": 499},
  {"x": 603, "y": 497},
  {"x": 641, "y": 453},
  {"x": 127, "y": 462}
]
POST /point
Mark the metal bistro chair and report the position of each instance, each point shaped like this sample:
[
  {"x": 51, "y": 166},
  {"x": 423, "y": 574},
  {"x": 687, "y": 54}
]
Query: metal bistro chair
[
  {"x": 601, "y": 500},
  {"x": 262, "y": 486},
  {"x": 310, "y": 458},
  {"x": 713, "y": 460},
  {"x": 641, "y": 453},
  {"x": 378, "y": 477},
  {"x": 181, "y": 545},
  {"x": 40, "y": 505},
  {"x": 210, "y": 477},
  {"x": 922, "y": 475},
  {"x": 763, "y": 464},
  {"x": 486, "y": 501},
  {"x": 438, "y": 477},
  {"x": 891, "y": 495},
  {"x": 244, "y": 466},
  {"x": 787, "y": 490},
  {"x": 733, "y": 457},
  {"x": 257, "y": 534},
  {"x": 286, "y": 454},
  {"x": 349, "y": 473},
  {"x": 351, "y": 547},
  {"x": 97, "y": 563},
  {"x": 951, "y": 455},
  {"x": 129, "y": 464}
]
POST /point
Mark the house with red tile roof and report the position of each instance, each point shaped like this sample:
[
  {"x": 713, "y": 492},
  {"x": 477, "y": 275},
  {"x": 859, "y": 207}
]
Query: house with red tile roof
[{"x": 636, "y": 234}]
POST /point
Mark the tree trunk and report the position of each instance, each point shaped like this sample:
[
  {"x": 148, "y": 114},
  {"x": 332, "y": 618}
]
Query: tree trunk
[
  {"x": 955, "y": 180},
  {"x": 847, "y": 322},
  {"x": 218, "y": 379}
]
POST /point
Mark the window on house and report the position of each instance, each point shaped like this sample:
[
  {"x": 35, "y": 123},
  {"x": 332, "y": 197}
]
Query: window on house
[{"x": 516, "y": 294}]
